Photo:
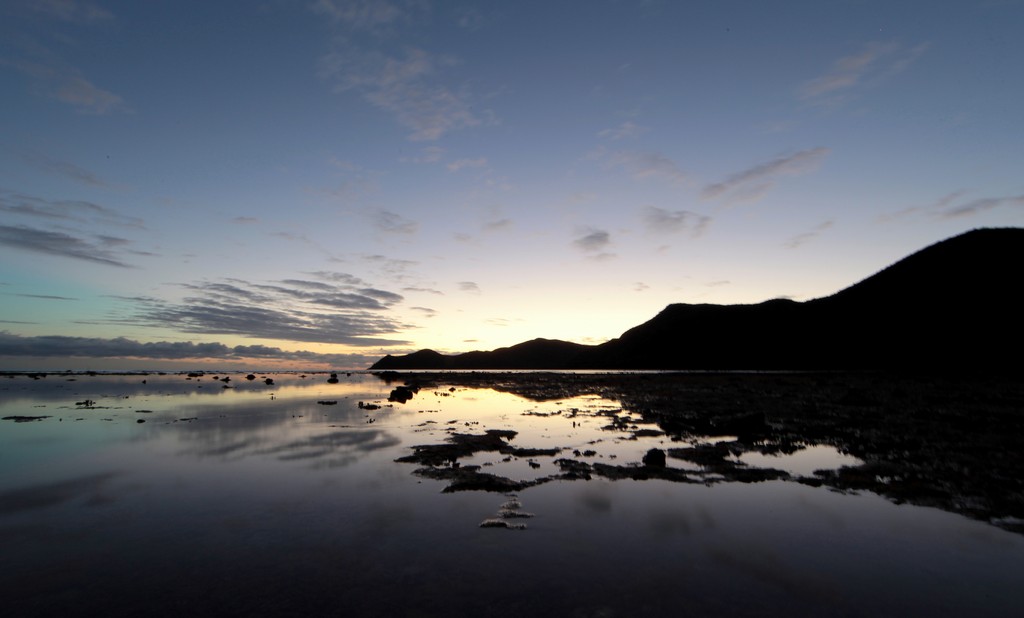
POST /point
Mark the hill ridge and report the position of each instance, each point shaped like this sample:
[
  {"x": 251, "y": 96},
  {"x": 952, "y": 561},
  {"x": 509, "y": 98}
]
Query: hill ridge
[{"x": 951, "y": 304}]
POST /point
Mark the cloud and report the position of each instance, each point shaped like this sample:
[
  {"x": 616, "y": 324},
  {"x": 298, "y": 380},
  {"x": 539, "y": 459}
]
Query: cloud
[
  {"x": 947, "y": 207},
  {"x": 407, "y": 87},
  {"x": 423, "y": 290},
  {"x": 364, "y": 14},
  {"x": 390, "y": 266},
  {"x": 430, "y": 154},
  {"x": 120, "y": 347},
  {"x": 593, "y": 241},
  {"x": 426, "y": 311},
  {"x": 336, "y": 277},
  {"x": 875, "y": 61},
  {"x": 941, "y": 204},
  {"x": 666, "y": 221},
  {"x": 455, "y": 166},
  {"x": 471, "y": 19},
  {"x": 70, "y": 10},
  {"x": 625, "y": 130},
  {"x": 640, "y": 286},
  {"x": 981, "y": 205},
  {"x": 641, "y": 165},
  {"x": 245, "y": 220},
  {"x": 44, "y": 296},
  {"x": 809, "y": 235},
  {"x": 64, "y": 168},
  {"x": 291, "y": 310},
  {"x": 393, "y": 223},
  {"x": 469, "y": 286},
  {"x": 64, "y": 83},
  {"x": 60, "y": 245},
  {"x": 752, "y": 183},
  {"x": 500, "y": 224},
  {"x": 77, "y": 211}
]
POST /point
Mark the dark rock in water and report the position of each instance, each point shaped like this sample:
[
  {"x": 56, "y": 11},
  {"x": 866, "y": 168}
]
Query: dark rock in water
[
  {"x": 332, "y": 380},
  {"x": 368, "y": 406},
  {"x": 250, "y": 377},
  {"x": 141, "y": 420},
  {"x": 88, "y": 403},
  {"x": 328, "y": 403},
  {"x": 24, "y": 419},
  {"x": 655, "y": 458},
  {"x": 268, "y": 381},
  {"x": 401, "y": 394},
  {"x": 501, "y": 523}
]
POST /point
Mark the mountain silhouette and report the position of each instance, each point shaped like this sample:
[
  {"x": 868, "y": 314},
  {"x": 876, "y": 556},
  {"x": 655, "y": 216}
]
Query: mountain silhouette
[{"x": 955, "y": 304}]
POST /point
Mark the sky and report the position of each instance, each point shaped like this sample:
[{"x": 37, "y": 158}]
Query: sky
[{"x": 313, "y": 184}]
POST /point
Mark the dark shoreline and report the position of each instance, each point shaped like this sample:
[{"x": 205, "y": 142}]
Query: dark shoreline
[{"x": 949, "y": 441}]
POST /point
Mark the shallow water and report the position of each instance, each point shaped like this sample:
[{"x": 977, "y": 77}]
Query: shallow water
[{"x": 257, "y": 499}]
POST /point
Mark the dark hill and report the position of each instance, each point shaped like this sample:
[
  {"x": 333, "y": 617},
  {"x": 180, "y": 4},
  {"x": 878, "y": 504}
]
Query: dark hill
[
  {"x": 533, "y": 354},
  {"x": 951, "y": 305}
]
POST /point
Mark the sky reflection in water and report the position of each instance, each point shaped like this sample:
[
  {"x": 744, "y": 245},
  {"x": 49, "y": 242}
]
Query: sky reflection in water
[{"x": 230, "y": 501}]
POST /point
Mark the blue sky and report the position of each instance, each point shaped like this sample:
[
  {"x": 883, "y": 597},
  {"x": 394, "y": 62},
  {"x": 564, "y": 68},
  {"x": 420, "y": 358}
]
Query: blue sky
[{"x": 315, "y": 184}]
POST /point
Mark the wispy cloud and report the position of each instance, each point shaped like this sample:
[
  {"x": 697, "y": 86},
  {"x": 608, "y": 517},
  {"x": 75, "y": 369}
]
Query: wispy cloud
[
  {"x": 391, "y": 267},
  {"x": 45, "y": 296},
  {"x": 469, "y": 286},
  {"x": 71, "y": 10},
  {"x": 423, "y": 290},
  {"x": 471, "y": 19},
  {"x": 293, "y": 310},
  {"x": 953, "y": 206},
  {"x": 77, "y": 211},
  {"x": 499, "y": 224},
  {"x": 121, "y": 347},
  {"x": 752, "y": 183},
  {"x": 594, "y": 242},
  {"x": 981, "y": 205},
  {"x": 393, "y": 223},
  {"x": 939, "y": 205},
  {"x": 641, "y": 165},
  {"x": 409, "y": 87},
  {"x": 875, "y": 61},
  {"x": 625, "y": 130},
  {"x": 430, "y": 154},
  {"x": 809, "y": 235},
  {"x": 365, "y": 14},
  {"x": 426, "y": 311},
  {"x": 99, "y": 251},
  {"x": 660, "y": 220},
  {"x": 64, "y": 168},
  {"x": 58, "y": 81},
  {"x": 455, "y": 166}
]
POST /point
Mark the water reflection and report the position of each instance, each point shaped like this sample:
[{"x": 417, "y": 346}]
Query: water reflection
[
  {"x": 948, "y": 442},
  {"x": 264, "y": 500}
]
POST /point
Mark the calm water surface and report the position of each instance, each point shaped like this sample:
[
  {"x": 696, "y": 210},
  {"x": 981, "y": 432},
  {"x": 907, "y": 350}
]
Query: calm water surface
[{"x": 257, "y": 499}]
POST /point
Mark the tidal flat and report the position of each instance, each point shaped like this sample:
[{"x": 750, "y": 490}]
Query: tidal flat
[{"x": 511, "y": 494}]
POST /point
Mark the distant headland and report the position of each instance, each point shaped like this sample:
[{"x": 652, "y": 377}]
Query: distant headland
[{"x": 953, "y": 305}]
